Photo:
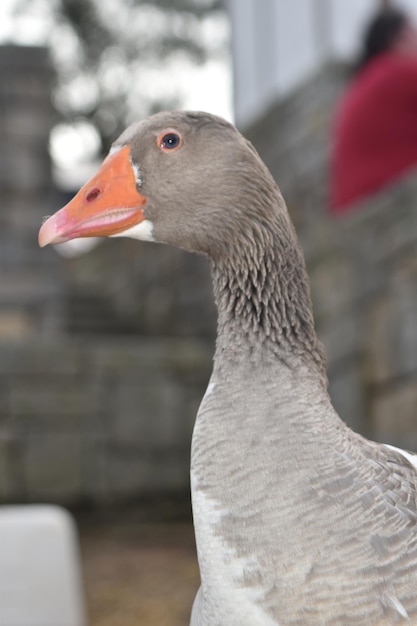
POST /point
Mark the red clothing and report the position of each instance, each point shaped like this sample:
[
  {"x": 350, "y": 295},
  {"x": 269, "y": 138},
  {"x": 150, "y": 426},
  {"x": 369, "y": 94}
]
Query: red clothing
[{"x": 375, "y": 132}]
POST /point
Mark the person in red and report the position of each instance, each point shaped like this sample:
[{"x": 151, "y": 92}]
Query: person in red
[{"x": 375, "y": 131}]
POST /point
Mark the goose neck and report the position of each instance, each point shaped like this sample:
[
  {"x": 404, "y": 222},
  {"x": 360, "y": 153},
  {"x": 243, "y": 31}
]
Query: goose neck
[{"x": 264, "y": 305}]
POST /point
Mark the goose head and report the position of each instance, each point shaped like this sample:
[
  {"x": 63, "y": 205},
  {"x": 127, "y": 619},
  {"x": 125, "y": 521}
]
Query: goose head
[
  {"x": 184, "y": 178},
  {"x": 192, "y": 180}
]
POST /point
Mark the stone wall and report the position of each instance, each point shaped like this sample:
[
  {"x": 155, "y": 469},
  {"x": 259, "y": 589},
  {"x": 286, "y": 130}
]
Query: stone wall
[
  {"x": 129, "y": 287},
  {"x": 101, "y": 372},
  {"x": 379, "y": 242},
  {"x": 363, "y": 267},
  {"x": 29, "y": 286},
  {"x": 98, "y": 422}
]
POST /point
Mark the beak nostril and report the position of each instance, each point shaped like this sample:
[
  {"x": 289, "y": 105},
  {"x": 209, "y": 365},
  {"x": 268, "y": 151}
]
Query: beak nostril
[{"x": 92, "y": 195}]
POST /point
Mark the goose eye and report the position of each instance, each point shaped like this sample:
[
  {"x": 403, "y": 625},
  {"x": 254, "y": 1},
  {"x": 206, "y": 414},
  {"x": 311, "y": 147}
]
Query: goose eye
[{"x": 170, "y": 141}]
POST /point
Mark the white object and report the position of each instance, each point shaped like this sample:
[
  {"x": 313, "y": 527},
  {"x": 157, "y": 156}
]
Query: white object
[{"x": 40, "y": 576}]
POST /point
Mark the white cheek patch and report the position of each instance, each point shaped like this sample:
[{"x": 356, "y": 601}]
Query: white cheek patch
[
  {"x": 142, "y": 231},
  {"x": 135, "y": 166},
  {"x": 137, "y": 172}
]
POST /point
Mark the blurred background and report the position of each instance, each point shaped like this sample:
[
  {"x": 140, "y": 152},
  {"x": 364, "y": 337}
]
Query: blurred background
[{"x": 106, "y": 346}]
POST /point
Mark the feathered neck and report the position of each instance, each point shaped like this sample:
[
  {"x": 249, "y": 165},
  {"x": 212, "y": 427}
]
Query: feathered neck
[{"x": 263, "y": 297}]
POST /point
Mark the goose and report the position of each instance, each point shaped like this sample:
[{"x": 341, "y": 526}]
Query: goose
[{"x": 298, "y": 520}]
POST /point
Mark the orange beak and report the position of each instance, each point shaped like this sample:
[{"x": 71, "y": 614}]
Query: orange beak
[{"x": 107, "y": 204}]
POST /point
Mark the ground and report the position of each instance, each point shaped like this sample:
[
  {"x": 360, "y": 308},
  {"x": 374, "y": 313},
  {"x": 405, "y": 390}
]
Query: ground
[{"x": 138, "y": 574}]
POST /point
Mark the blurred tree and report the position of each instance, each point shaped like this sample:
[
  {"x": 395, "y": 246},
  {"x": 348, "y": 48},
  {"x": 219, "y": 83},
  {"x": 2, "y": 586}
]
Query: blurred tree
[{"x": 115, "y": 59}]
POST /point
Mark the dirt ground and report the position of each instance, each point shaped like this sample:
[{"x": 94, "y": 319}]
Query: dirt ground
[{"x": 138, "y": 574}]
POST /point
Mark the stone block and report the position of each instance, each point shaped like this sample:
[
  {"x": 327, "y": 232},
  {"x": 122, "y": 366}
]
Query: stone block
[
  {"x": 134, "y": 472},
  {"x": 342, "y": 336},
  {"x": 404, "y": 304},
  {"x": 385, "y": 226},
  {"x": 96, "y": 450},
  {"x": 348, "y": 395},
  {"x": 16, "y": 325},
  {"x": 150, "y": 415},
  {"x": 43, "y": 359},
  {"x": 332, "y": 285},
  {"x": 394, "y": 414},
  {"x": 56, "y": 404},
  {"x": 116, "y": 356},
  {"x": 378, "y": 341},
  {"x": 29, "y": 59},
  {"x": 190, "y": 361},
  {"x": 24, "y": 288},
  {"x": 10, "y": 483},
  {"x": 4, "y": 401},
  {"x": 396, "y": 233},
  {"x": 29, "y": 125},
  {"x": 53, "y": 467},
  {"x": 23, "y": 213},
  {"x": 186, "y": 358},
  {"x": 19, "y": 168},
  {"x": 391, "y": 339}
]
